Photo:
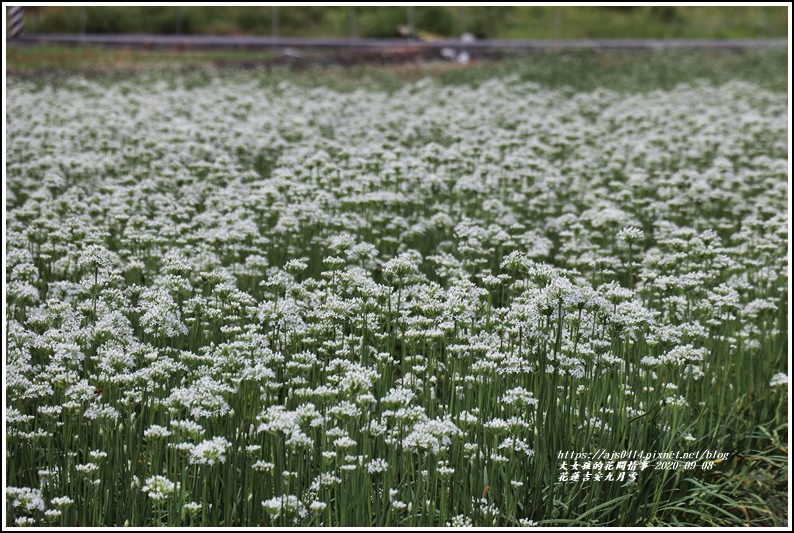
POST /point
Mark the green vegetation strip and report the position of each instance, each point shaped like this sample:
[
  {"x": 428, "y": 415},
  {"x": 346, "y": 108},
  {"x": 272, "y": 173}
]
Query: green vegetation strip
[{"x": 500, "y": 22}]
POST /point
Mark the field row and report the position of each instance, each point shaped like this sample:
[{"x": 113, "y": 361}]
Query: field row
[{"x": 231, "y": 303}]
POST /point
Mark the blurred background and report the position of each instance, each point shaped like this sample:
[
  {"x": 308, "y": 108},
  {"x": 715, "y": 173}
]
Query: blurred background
[{"x": 496, "y": 22}]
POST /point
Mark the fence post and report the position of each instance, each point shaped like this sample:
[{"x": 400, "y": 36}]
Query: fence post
[
  {"x": 83, "y": 18},
  {"x": 16, "y": 22},
  {"x": 351, "y": 23},
  {"x": 351, "y": 29},
  {"x": 274, "y": 29}
]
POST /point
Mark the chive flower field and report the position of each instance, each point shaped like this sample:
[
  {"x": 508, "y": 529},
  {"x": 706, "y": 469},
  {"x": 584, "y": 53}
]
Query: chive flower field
[{"x": 234, "y": 303}]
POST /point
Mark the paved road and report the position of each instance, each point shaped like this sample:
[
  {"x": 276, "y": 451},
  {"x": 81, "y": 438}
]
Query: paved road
[{"x": 249, "y": 42}]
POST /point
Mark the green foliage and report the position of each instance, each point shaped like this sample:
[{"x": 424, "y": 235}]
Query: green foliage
[
  {"x": 518, "y": 22},
  {"x": 381, "y": 22}
]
